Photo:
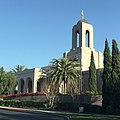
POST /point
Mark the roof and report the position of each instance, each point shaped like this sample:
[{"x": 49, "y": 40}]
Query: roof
[{"x": 82, "y": 20}]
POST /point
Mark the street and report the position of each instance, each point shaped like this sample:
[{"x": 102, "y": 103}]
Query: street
[{"x": 19, "y": 115}]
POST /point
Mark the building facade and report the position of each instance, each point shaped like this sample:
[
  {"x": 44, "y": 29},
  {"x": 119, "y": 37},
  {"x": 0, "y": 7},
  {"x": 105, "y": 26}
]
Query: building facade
[
  {"x": 34, "y": 80},
  {"x": 31, "y": 80}
]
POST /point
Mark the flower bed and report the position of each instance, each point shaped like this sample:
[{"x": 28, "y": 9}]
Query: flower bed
[{"x": 22, "y": 94}]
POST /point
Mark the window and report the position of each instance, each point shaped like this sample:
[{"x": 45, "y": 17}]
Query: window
[{"x": 87, "y": 39}]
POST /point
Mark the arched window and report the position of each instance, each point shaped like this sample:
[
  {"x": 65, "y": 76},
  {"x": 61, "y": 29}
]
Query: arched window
[{"x": 87, "y": 38}]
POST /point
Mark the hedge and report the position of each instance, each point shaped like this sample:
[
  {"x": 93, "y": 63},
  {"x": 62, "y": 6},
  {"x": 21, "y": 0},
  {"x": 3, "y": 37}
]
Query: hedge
[{"x": 22, "y": 104}]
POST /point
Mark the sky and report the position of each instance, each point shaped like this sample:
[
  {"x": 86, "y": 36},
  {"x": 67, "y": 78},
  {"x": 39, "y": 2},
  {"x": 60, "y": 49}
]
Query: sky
[{"x": 33, "y": 32}]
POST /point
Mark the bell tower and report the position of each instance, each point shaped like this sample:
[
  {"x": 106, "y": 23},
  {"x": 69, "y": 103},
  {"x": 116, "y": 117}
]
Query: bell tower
[
  {"x": 82, "y": 34},
  {"x": 83, "y": 45}
]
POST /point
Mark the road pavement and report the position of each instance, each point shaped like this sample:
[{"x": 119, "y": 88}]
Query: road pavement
[{"x": 24, "y": 114}]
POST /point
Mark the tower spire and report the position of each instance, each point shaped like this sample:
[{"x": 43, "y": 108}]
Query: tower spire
[{"x": 82, "y": 14}]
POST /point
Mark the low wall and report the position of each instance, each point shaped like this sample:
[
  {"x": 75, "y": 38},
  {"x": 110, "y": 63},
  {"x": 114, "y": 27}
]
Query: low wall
[
  {"x": 41, "y": 98},
  {"x": 79, "y": 99}
]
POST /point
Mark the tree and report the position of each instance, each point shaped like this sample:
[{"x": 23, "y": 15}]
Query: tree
[
  {"x": 19, "y": 68},
  {"x": 63, "y": 71},
  {"x": 7, "y": 82},
  {"x": 106, "y": 88},
  {"x": 2, "y": 80},
  {"x": 11, "y": 82},
  {"x": 115, "y": 75},
  {"x": 92, "y": 75}
]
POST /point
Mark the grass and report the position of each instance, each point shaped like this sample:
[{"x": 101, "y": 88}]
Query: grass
[
  {"x": 84, "y": 116},
  {"x": 81, "y": 116}
]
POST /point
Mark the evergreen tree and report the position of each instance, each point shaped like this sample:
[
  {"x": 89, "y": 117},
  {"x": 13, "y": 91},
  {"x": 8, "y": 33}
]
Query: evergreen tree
[
  {"x": 92, "y": 75},
  {"x": 106, "y": 88},
  {"x": 7, "y": 82},
  {"x": 116, "y": 75}
]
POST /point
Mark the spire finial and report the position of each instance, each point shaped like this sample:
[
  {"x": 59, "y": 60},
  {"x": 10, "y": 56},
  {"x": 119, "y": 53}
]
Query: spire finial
[{"x": 82, "y": 14}]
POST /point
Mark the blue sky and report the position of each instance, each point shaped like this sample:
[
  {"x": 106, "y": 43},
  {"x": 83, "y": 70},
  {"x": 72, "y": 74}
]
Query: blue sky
[{"x": 33, "y": 32}]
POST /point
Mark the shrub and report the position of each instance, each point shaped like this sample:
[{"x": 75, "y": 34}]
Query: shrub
[
  {"x": 23, "y": 104},
  {"x": 92, "y": 108},
  {"x": 22, "y": 94}
]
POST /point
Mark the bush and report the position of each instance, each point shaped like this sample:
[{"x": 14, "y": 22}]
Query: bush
[
  {"x": 22, "y": 94},
  {"x": 22, "y": 104},
  {"x": 66, "y": 106},
  {"x": 92, "y": 108}
]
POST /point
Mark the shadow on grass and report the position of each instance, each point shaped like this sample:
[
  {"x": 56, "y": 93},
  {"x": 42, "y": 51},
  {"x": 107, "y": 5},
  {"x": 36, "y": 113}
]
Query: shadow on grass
[{"x": 75, "y": 116}]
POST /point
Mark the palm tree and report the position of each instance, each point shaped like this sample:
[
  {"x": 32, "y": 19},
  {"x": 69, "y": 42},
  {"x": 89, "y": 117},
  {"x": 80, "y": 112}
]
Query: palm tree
[
  {"x": 64, "y": 71},
  {"x": 19, "y": 68}
]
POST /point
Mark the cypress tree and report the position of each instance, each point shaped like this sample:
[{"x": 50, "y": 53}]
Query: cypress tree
[
  {"x": 92, "y": 75},
  {"x": 115, "y": 62},
  {"x": 116, "y": 75},
  {"x": 106, "y": 88}
]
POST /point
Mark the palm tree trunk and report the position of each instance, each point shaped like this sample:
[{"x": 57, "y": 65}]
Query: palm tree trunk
[
  {"x": 65, "y": 84},
  {"x": 64, "y": 87}
]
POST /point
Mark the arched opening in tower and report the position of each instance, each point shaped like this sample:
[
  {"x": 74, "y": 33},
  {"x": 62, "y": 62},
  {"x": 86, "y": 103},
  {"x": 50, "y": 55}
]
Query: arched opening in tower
[{"x": 87, "y": 38}]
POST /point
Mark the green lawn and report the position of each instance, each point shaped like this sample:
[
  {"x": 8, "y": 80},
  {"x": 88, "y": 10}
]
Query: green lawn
[{"x": 81, "y": 116}]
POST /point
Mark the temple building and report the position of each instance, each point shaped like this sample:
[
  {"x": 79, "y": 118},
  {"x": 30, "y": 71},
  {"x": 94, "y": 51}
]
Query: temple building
[
  {"x": 33, "y": 80},
  {"x": 83, "y": 45}
]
